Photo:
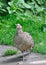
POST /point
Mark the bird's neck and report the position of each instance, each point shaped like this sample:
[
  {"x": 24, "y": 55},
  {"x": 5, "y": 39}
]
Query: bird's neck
[{"x": 19, "y": 31}]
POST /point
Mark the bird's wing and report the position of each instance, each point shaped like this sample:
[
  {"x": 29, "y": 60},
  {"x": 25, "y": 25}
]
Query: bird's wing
[{"x": 28, "y": 38}]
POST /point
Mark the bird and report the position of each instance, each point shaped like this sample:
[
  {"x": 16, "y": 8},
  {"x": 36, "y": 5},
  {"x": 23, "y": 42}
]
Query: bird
[{"x": 23, "y": 40}]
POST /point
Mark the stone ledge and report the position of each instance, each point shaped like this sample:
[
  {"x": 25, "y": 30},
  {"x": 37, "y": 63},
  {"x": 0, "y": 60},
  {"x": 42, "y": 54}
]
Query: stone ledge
[{"x": 13, "y": 56}]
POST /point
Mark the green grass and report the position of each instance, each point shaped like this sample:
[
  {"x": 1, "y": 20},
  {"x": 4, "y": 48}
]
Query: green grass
[
  {"x": 10, "y": 52},
  {"x": 31, "y": 24}
]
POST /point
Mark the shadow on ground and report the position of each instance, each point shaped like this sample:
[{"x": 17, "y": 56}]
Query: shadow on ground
[{"x": 13, "y": 60}]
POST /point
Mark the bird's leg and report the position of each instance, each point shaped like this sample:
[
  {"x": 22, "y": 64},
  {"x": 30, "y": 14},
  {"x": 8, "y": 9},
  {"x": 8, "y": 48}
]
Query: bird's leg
[
  {"x": 27, "y": 52},
  {"x": 23, "y": 56}
]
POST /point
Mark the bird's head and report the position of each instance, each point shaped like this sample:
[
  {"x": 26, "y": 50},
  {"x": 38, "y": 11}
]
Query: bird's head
[{"x": 18, "y": 26}]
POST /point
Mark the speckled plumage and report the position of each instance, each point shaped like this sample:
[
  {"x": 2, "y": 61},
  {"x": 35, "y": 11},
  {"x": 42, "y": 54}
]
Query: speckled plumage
[{"x": 22, "y": 40}]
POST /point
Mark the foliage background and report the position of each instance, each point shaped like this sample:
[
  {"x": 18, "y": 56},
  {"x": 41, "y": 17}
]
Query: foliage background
[{"x": 31, "y": 14}]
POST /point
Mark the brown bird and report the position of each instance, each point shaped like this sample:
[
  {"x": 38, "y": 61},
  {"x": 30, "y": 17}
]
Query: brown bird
[{"x": 23, "y": 40}]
